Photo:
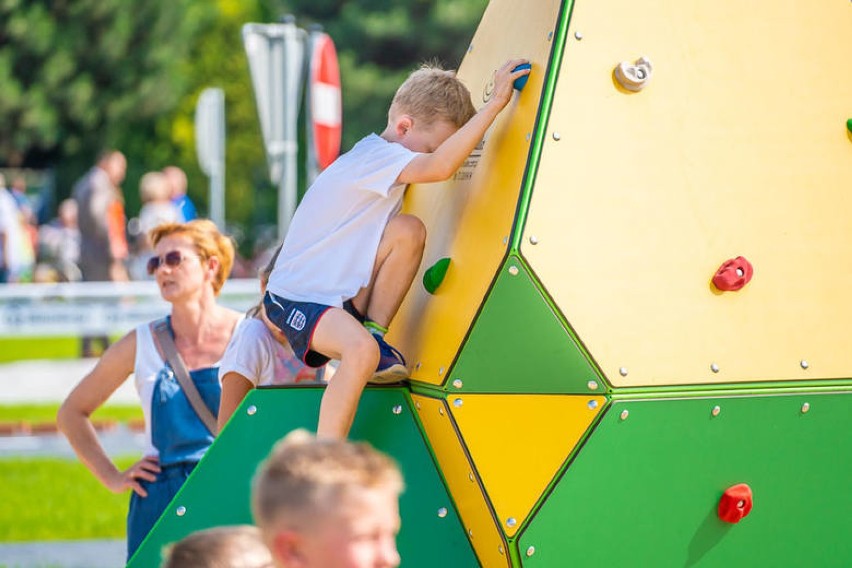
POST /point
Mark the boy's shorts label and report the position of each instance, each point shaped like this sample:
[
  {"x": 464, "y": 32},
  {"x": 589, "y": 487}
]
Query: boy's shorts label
[{"x": 296, "y": 320}]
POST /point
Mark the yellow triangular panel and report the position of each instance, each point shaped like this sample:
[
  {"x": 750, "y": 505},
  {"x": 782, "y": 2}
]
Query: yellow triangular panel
[
  {"x": 518, "y": 443},
  {"x": 471, "y": 504}
]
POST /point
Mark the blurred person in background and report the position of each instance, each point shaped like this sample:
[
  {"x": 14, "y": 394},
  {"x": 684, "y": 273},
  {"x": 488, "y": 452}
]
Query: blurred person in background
[
  {"x": 59, "y": 246},
  {"x": 17, "y": 259},
  {"x": 157, "y": 209},
  {"x": 100, "y": 210},
  {"x": 103, "y": 240},
  {"x": 177, "y": 180},
  {"x": 191, "y": 262}
]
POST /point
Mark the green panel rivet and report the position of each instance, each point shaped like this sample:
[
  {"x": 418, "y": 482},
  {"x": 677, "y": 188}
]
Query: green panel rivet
[{"x": 434, "y": 275}]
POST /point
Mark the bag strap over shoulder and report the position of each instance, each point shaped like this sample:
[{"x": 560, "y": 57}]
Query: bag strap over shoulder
[{"x": 165, "y": 343}]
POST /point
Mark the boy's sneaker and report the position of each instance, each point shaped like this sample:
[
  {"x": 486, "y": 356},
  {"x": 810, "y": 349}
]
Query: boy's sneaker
[{"x": 391, "y": 368}]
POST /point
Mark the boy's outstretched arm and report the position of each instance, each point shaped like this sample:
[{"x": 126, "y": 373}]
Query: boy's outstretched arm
[{"x": 451, "y": 154}]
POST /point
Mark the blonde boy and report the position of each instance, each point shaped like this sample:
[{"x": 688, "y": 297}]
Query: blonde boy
[
  {"x": 328, "y": 504},
  {"x": 239, "y": 546},
  {"x": 350, "y": 257}
]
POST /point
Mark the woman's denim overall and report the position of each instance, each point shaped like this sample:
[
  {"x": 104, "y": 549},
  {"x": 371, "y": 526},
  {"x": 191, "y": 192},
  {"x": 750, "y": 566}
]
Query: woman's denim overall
[{"x": 181, "y": 439}]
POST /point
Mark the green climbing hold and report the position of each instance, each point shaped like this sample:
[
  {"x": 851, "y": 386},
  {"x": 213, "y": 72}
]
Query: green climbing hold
[{"x": 434, "y": 275}]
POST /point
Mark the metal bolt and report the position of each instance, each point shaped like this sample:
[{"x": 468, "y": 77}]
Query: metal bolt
[
  {"x": 511, "y": 522},
  {"x": 625, "y": 414},
  {"x": 592, "y": 404},
  {"x": 458, "y": 403},
  {"x": 470, "y": 476},
  {"x": 505, "y": 240},
  {"x": 441, "y": 371},
  {"x": 804, "y": 364},
  {"x": 181, "y": 511},
  {"x": 417, "y": 366},
  {"x": 549, "y": 36},
  {"x": 417, "y": 404},
  {"x": 513, "y": 270},
  {"x": 622, "y": 371},
  {"x": 806, "y": 407},
  {"x": 251, "y": 410},
  {"x": 557, "y": 136},
  {"x": 593, "y": 385},
  {"x": 716, "y": 410},
  {"x": 441, "y": 410},
  {"x": 442, "y": 512},
  {"x": 469, "y": 532},
  {"x": 470, "y": 48},
  {"x": 500, "y": 549},
  {"x": 714, "y": 367},
  {"x": 533, "y": 240},
  {"x": 528, "y": 136},
  {"x": 578, "y": 36},
  {"x": 530, "y": 551},
  {"x": 458, "y": 383},
  {"x": 397, "y": 409}
]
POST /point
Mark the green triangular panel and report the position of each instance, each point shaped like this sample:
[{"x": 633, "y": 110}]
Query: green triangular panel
[
  {"x": 217, "y": 492},
  {"x": 518, "y": 344},
  {"x": 665, "y": 465}
]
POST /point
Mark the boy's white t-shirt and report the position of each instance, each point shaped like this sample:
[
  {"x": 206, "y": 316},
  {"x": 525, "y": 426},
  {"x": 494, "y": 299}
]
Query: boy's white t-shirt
[
  {"x": 331, "y": 246},
  {"x": 255, "y": 354}
]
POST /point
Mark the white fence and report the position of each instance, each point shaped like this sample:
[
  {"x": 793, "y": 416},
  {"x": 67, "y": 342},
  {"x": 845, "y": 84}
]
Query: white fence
[{"x": 96, "y": 308}]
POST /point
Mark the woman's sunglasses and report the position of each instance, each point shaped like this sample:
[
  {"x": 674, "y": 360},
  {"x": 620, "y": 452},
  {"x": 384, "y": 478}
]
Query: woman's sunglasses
[{"x": 171, "y": 259}]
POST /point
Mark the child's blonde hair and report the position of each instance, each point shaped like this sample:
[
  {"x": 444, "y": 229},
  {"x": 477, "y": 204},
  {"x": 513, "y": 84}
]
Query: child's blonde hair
[
  {"x": 305, "y": 478},
  {"x": 238, "y": 546},
  {"x": 431, "y": 94},
  {"x": 154, "y": 186}
]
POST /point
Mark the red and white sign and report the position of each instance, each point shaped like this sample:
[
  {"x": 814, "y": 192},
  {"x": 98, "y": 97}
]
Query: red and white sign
[{"x": 326, "y": 106}]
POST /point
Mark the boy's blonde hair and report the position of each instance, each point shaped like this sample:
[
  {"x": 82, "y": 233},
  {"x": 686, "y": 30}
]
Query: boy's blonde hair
[
  {"x": 220, "y": 547},
  {"x": 431, "y": 94},
  {"x": 208, "y": 241},
  {"x": 304, "y": 479}
]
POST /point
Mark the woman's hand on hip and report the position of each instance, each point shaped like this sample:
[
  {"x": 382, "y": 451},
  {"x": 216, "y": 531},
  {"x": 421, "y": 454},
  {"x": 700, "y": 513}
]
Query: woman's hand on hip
[{"x": 145, "y": 469}]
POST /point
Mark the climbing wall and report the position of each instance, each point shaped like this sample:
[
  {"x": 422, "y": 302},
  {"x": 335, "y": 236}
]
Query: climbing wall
[{"x": 628, "y": 346}]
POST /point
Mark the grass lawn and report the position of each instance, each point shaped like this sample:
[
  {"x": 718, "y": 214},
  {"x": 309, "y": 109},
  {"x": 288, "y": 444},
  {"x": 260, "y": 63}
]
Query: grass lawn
[
  {"x": 32, "y": 348},
  {"x": 56, "y": 499},
  {"x": 35, "y": 413}
]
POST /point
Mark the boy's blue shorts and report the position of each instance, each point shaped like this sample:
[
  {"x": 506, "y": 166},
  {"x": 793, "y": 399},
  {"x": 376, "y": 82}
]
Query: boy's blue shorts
[{"x": 298, "y": 321}]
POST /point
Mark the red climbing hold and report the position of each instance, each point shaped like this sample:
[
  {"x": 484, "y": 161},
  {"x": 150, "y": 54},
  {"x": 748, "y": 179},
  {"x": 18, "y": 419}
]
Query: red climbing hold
[
  {"x": 733, "y": 274},
  {"x": 735, "y": 503}
]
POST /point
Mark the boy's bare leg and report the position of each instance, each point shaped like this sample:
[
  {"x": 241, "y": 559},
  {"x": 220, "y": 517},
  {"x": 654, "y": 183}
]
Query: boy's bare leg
[
  {"x": 397, "y": 260},
  {"x": 340, "y": 336}
]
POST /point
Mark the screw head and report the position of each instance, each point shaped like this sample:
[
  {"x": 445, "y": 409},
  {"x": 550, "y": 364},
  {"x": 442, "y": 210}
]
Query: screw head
[
  {"x": 805, "y": 407},
  {"x": 181, "y": 511},
  {"x": 716, "y": 410},
  {"x": 592, "y": 404},
  {"x": 457, "y": 383},
  {"x": 714, "y": 367},
  {"x": 417, "y": 366},
  {"x": 549, "y": 36},
  {"x": 625, "y": 414},
  {"x": 533, "y": 240},
  {"x": 804, "y": 364},
  {"x": 513, "y": 270},
  {"x": 441, "y": 371},
  {"x": 622, "y": 371},
  {"x": 442, "y": 512},
  {"x": 592, "y": 385},
  {"x": 397, "y": 409},
  {"x": 557, "y": 136},
  {"x": 530, "y": 551},
  {"x": 417, "y": 404},
  {"x": 470, "y": 476},
  {"x": 470, "y": 48},
  {"x": 441, "y": 410},
  {"x": 511, "y": 522},
  {"x": 251, "y": 410},
  {"x": 500, "y": 549},
  {"x": 528, "y": 136},
  {"x": 458, "y": 403},
  {"x": 578, "y": 36}
]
